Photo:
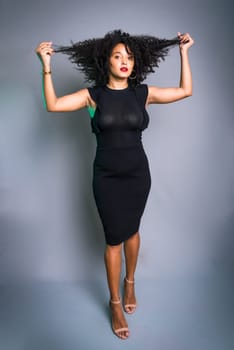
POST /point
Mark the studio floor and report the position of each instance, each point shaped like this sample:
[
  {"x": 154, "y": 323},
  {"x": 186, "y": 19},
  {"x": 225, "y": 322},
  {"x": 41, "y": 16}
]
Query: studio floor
[{"x": 178, "y": 314}]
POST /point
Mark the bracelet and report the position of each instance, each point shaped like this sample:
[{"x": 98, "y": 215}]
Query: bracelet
[{"x": 48, "y": 72}]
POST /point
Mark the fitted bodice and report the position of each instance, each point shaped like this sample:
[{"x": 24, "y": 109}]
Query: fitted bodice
[{"x": 120, "y": 115}]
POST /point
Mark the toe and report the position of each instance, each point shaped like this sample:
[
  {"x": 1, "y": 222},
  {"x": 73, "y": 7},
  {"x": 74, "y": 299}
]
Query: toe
[{"x": 125, "y": 335}]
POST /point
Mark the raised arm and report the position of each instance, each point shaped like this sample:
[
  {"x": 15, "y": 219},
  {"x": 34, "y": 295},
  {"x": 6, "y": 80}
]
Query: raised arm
[
  {"x": 172, "y": 94},
  {"x": 67, "y": 103}
]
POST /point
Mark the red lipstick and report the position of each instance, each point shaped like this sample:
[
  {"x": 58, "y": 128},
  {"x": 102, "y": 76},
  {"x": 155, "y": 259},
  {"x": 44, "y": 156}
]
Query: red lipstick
[{"x": 124, "y": 69}]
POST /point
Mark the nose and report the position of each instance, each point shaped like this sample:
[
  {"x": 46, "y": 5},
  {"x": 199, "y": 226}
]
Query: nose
[{"x": 124, "y": 60}]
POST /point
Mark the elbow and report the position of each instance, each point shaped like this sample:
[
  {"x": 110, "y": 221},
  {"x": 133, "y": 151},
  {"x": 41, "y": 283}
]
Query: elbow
[
  {"x": 50, "y": 105},
  {"x": 188, "y": 93},
  {"x": 50, "y": 108}
]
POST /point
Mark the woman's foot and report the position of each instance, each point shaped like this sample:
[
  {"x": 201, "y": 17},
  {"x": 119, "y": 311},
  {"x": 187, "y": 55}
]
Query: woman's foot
[
  {"x": 119, "y": 324},
  {"x": 130, "y": 303}
]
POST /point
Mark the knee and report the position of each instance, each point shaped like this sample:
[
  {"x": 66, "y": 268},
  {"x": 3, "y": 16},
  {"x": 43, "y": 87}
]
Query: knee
[
  {"x": 134, "y": 237},
  {"x": 113, "y": 249}
]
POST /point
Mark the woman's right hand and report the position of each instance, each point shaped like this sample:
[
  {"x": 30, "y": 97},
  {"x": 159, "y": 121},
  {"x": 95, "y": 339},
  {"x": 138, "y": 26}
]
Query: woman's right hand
[{"x": 44, "y": 51}]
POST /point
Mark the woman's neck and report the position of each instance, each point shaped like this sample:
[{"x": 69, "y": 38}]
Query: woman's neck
[{"x": 117, "y": 84}]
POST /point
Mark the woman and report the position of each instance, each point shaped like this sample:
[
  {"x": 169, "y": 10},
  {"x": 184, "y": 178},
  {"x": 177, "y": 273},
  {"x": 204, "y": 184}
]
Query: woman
[{"x": 117, "y": 64}]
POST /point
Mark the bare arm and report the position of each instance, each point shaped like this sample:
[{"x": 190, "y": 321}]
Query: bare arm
[
  {"x": 67, "y": 103},
  {"x": 172, "y": 94}
]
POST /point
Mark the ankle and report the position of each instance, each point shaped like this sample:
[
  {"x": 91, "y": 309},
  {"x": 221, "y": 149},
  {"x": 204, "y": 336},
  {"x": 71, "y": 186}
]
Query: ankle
[
  {"x": 130, "y": 280},
  {"x": 115, "y": 301}
]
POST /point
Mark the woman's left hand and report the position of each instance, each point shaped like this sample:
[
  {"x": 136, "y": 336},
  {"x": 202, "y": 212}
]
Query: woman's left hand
[{"x": 185, "y": 40}]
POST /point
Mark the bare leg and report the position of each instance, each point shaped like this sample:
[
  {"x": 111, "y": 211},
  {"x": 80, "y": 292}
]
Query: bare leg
[
  {"x": 113, "y": 258},
  {"x": 131, "y": 250}
]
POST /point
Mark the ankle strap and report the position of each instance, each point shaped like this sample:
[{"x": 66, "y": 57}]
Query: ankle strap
[
  {"x": 115, "y": 301},
  {"x": 129, "y": 280}
]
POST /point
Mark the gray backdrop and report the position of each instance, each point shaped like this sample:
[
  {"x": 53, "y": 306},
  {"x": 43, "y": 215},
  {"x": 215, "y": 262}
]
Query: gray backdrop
[
  {"x": 49, "y": 223},
  {"x": 50, "y": 228}
]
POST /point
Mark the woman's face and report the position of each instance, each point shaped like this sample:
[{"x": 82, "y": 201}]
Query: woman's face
[{"x": 121, "y": 62}]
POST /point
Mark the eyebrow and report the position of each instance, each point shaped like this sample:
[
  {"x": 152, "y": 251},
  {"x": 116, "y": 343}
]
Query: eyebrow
[{"x": 129, "y": 54}]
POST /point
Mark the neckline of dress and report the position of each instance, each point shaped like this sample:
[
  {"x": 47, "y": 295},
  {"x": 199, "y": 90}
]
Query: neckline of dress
[{"x": 116, "y": 90}]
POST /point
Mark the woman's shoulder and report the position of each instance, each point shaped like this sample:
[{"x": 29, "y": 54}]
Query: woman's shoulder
[
  {"x": 95, "y": 91},
  {"x": 141, "y": 87},
  {"x": 142, "y": 92}
]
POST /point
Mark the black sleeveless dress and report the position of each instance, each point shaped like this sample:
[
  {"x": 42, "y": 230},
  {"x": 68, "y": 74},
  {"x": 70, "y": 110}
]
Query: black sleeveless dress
[{"x": 121, "y": 174}]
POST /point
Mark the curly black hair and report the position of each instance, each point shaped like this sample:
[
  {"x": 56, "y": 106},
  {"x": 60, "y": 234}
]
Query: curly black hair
[{"x": 92, "y": 56}]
